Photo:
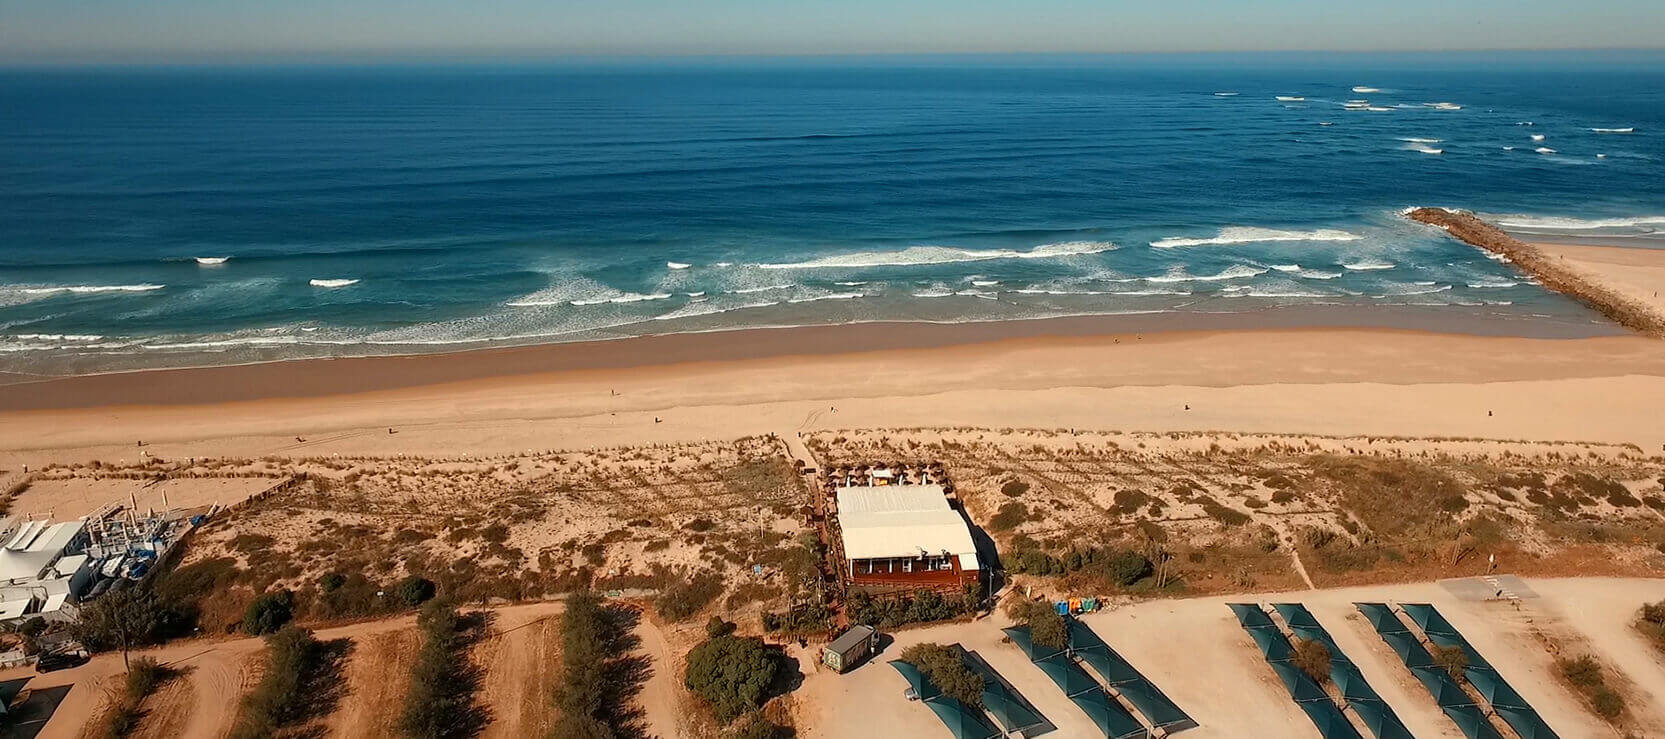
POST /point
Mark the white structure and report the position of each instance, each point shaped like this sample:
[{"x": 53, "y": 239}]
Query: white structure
[
  {"x": 902, "y": 534},
  {"x": 36, "y": 576}
]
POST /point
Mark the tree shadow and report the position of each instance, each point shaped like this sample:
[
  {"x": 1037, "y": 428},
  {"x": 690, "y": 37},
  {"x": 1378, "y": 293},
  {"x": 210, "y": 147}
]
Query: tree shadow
[
  {"x": 623, "y": 677},
  {"x": 467, "y": 716}
]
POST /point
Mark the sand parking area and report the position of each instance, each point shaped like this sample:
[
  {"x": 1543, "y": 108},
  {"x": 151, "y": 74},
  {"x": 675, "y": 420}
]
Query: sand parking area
[{"x": 1195, "y": 651}]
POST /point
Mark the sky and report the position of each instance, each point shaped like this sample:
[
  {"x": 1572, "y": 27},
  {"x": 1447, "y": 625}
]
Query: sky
[{"x": 192, "y": 31}]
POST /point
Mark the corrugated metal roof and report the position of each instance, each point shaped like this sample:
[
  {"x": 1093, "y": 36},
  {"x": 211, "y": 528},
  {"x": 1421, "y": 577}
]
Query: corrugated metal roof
[
  {"x": 891, "y": 498},
  {"x": 906, "y": 534}
]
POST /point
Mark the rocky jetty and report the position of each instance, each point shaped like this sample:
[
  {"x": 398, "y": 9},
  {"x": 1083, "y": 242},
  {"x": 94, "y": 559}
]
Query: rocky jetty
[{"x": 1551, "y": 272}]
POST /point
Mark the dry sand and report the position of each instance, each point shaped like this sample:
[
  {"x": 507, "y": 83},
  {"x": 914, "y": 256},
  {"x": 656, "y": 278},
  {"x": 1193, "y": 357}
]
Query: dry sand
[
  {"x": 1195, "y": 651},
  {"x": 1635, "y": 273},
  {"x": 1322, "y": 382}
]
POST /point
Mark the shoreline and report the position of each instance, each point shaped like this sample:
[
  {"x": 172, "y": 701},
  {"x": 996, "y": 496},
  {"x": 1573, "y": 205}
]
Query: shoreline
[
  {"x": 1642, "y": 315},
  {"x": 325, "y": 376}
]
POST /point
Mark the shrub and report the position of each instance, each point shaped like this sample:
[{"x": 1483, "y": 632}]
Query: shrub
[
  {"x": 1046, "y": 627},
  {"x": 123, "y": 619},
  {"x": 682, "y": 599},
  {"x": 414, "y": 590},
  {"x": 439, "y": 701},
  {"x": 918, "y": 607},
  {"x": 718, "y": 627},
  {"x": 331, "y": 582},
  {"x": 1010, "y": 516},
  {"x": 1313, "y": 658},
  {"x": 32, "y": 627},
  {"x": 268, "y": 613},
  {"x": 1014, "y": 488},
  {"x": 1583, "y": 672},
  {"x": 1125, "y": 567},
  {"x": 731, "y": 674},
  {"x": 1607, "y": 703},
  {"x": 1451, "y": 659},
  {"x": 144, "y": 675},
  {"x": 945, "y": 669},
  {"x": 755, "y": 726},
  {"x": 295, "y": 662},
  {"x": 1654, "y": 613}
]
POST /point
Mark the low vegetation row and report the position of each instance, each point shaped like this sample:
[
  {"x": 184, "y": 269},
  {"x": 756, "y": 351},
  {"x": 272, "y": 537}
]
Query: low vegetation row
[
  {"x": 440, "y": 700},
  {"x": 598, "y": 676},
  {"x": 921, "y": 606},
  {"x": 302, "y": 680},
  {"x": 144, "y": 677}
]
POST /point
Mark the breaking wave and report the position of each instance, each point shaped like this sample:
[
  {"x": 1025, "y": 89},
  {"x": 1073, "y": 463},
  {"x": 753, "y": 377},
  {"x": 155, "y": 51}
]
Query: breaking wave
[
  {"x": 89, "y": 289},
  {"x": 677, "y": 265},
  {"x": 1613, "y": 130},
  {"x": 1368, "y": 266},
  {"x": 332, "y": 283},
  {"x": 917, "y": 255},
  {"x": 1233, "y": 272},
  {"x": 1251, "y": 234},
  {"x": 1576, "y": 224},
  {"x": 212, "y": 261}
]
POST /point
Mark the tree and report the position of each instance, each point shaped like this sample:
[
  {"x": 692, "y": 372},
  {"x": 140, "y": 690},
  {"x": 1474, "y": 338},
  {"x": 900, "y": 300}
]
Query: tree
[
  {"x": 122, "y": 619},
  {"x": 944, "y": 668},
  {"x": 731, "y": 673},
  {"x": 268, "y": 613},
  {"x": 1313, "y": 657}
]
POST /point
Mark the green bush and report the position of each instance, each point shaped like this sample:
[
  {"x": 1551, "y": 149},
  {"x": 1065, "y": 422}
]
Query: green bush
[
  {"x": 414, "y": 590},
  {"x": 731, "y": 673},
  {"x": 918, "y": 607},
  {"x": 1010, "y": 516},
  {"x": 946, "y": 670},
  {"x": 268, "y": 613},
  {"x": 331, "y": 582},
  {"x": 681, "y": 599},
  {"x": 1608, "y": 703},
  {"x": 1451, "y": 659},
  {"x": 1583, "y": 672},
  {"x": 293, "y": 657},
  {"x": 1313, "y": 658},
  {"x": 439, "y": 701},
  {"x": 1046, "y": 627},
  {"x": 718, "y": 627}
]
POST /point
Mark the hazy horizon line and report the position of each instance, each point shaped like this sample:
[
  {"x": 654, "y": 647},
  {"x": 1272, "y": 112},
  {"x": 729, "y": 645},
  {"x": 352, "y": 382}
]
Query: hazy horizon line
[{"x": 405, "y": 58}]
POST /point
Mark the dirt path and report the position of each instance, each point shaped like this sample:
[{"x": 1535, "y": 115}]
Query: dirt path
[
  {"x": 220, "y": 673},
  {"x": 659, "y": 696},
  {"x": 521, "y": 659},
  {"x": 167, "y": 711},
  {"x": 377, "y": 673}
]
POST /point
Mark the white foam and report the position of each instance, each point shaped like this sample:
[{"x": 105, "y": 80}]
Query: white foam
[
  {"x": 1576, "y": 224},
  {"x": 211, "y": 261},
  {"x": 1415, "y": 140},
  {"x": 87, "y": 289},
  {"x": 1377, "y": 109},
  {"x": 833, "y": 296},
  {"x": 60, "y": 337},
  {"x": 1325, "y": 123},
  {"x": 625, "y": 298},
  {"x": 1233, "y": 272},
  {"x": 1415, "y": 290},
  {"x": 1361, "y": 89},
  {"x": 1369, "y": 266},
  {"x": 917, "y": 255},
  {"x": 1544, "y": 150},
  {"x": 1251, "y": 234},
  {"x": 1291, "y": 99},
  {"x": 1537, "y": 137},
  {"x": 332, "y": 283},
  {"x": 985, "y": 283},
  {"x": 750, "y": 290},
  {"x": 723, "y": 264},
  {"x": 699, "y": 294},
  {"x": 1492, "y": 284},
  {"x": 1225, "y": 94},
  {"x": 1428, "y": 150},
  {"x": 677, "y": 265},
  {"x": 1613, "y": 130}
]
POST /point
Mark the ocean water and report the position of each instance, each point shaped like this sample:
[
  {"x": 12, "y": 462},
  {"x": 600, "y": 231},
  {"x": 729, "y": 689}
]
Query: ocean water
[{"x": 199, "y": 215}]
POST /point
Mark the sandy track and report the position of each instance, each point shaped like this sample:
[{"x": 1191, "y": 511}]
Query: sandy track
[
  {"x": 521, "y": 660},
  {"x": 377, "y": 674},
  {"x": 167, "y": 711},
  {"x": 1194, "y": 650}
]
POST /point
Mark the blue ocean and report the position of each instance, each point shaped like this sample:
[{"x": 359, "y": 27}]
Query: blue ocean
[{"x": 193, "y": 215}]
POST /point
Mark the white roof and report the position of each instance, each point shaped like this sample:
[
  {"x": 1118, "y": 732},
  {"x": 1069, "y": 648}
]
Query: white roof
[
  {"x": 66, "y": 566},
  {"x": 902, "y": 521},
  {"x": 54, "y": 603},
  {"x": 14, "y": 608},
  {"x": 34, "y": 547},
  {"x": 891, "y": 498}
]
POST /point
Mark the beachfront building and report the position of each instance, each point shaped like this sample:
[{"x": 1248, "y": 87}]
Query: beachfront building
[
  {"x": 905, "y": 536},
  {"x": 40, "y": 566}
]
